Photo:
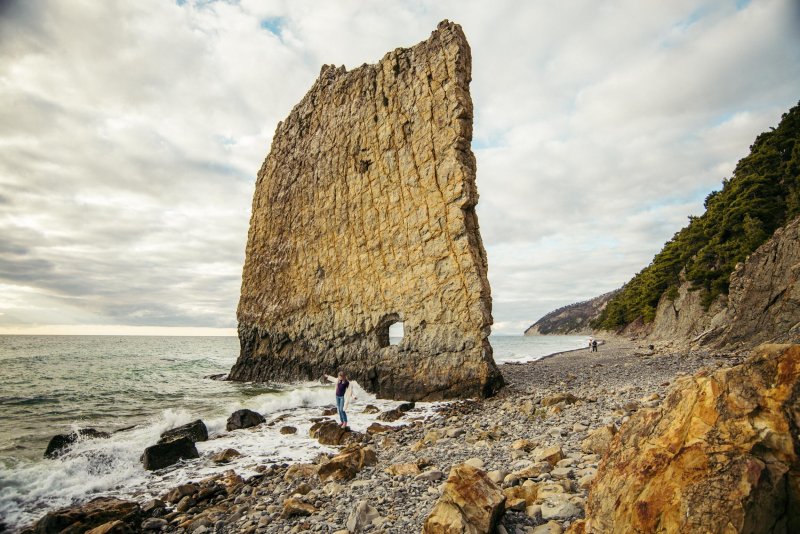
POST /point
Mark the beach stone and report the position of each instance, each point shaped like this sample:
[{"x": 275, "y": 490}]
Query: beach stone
[
  {"x": 720, "y": 454},
  {"x": 86, "y": 516},
  {"x": 370, "y": 409},
  {"x": 112, "y": 527},
  {"x": 60, "y": 442},
  {"x": 551, "y": 527},
  {"x": 196, "y": 431},
  {"x": 362, "y": 517},
  {"x": 432, "y": 475},
  {"x": 293, "y": 507},
  {"x": 391, "y": 415},
  {"x": 551, "y": 455},
  {"x": 526, "y": 494},
  {"x": 165, "y": 454},
  {"x": 179, "y": 492},
  {"x": 358, "y": 139},
  {"x": 599, "y": 440},
  {"x": 328, "y": 432},
  {"x": 477, "y": 463},
  {"x": 566, "y": 398},
  {"x": 497, "y": 476},
  {"x": 244, "y": 419},
  {"x": 296, "y": 471},
  {"x": 559, "y": 506},
  {"x": 287, "y": 430},
  {"x": 470, "y": 502},
  {"x": 526, "y": 445},
  {"x": 347, "y": 463},
  {"x": 223, "y": 457},
  {"x": 152, "y": 506},
  {"x": 377, "y": 428},
  {"x": 561, "y": 472},
  {"x": 154, "y": 523},
  {"x": 407, "y": 469},
  {"x": 330, "y": 410}
]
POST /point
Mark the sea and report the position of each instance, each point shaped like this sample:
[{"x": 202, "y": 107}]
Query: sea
[{"x": 137, "y": 387}]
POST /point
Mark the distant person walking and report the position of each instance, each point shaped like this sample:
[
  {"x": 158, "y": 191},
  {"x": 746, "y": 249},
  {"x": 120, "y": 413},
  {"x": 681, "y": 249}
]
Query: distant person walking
[
  {"x": 590, "y": 342},
  {"x": 594, "y": 345},
  {"x": 344, "y": 394}
]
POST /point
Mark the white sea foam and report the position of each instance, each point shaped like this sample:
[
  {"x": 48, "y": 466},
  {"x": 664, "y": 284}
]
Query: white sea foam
[{"x": 94, "y": 467}]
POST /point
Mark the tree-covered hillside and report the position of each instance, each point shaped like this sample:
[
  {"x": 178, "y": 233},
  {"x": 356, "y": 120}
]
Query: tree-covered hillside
[{"x": 762, "y": 195}]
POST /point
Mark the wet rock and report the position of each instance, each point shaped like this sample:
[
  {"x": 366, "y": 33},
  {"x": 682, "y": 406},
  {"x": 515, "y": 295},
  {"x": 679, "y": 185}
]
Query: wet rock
[
  {"x": 361, "y": 517},
  {"x": 244, "y": 419},
  {"x": 406, "y": 406},
  {"x": 391, "y": 415},
  {"x": 60, "y": 442},
  {"x": 153, "y": 506},
  {"x": 370, "y": 409},
  {"x": 720, "y": 454},
  {"x": 470, "y": 502},
  {"x": 112, "y": 527},
  {"x": 329, "y": 410},
  {"x": 165, "y": 454},
  {"x": 196, "y": 431},
  {"x": 287, "y": 430},
  {"x": 85, "y": 517},
  {"x": 179, "y": 492},
  {"x": 154, "y": 523},
  {"x": 223, "y": 457},
  {"x": 328, "y": 432}
]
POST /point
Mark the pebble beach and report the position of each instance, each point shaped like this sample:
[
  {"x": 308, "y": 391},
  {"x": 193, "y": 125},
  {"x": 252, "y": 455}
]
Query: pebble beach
[{"x": 546, "y": 430}]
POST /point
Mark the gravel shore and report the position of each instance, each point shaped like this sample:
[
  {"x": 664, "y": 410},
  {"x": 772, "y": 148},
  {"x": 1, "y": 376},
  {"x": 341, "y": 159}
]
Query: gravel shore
[{"x": 533, "y": 433}]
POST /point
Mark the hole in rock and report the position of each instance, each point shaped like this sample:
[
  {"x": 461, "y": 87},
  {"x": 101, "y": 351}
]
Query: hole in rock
[{"x": 396, "y": 333}]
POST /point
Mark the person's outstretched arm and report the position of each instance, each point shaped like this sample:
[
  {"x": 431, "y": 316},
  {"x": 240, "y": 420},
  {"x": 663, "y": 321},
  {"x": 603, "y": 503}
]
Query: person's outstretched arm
[{"x": 329, "y": 378}]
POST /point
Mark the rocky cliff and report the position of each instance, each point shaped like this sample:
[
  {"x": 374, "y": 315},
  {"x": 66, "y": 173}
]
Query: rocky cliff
[
  {"x": 363, "y": 216},
  {"x": 763, "y": 303},
  {"x": 572, "y": 319}
]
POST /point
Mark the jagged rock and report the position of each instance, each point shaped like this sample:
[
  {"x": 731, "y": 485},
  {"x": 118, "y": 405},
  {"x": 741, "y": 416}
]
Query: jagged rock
[
  {"x": 165, "y": 454},
  {"x": 179, "y": 492},
  {"x": 293, "y": 507},
  {"x": 572, "y": 319},
  {"x": 719, "y": 454},
  {"x": 347, "y": 463},
  {"x": 364, "y": 215},
  {"x": 223, "y": 457},
  {"x": 470, "y": 503},
  {"x": 526, "y": 445},
  {"x": 196, "y": 431},
  {"x": 85, "y": 517},
  {"x": 526, "y": 493},
  {"x": 361, "y": 517},
  {"x": 599, "y": 439},
  {"x": 329, "y": 410},
  {"x": 244, "y": 419},
  {"x": 58, "y": 443}
]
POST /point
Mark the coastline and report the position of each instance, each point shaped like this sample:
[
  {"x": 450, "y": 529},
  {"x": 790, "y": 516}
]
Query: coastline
[{"x": 551, "y": 402}]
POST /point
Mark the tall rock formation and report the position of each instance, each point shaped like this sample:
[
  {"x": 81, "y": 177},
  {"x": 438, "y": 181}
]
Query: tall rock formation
[
  {"x": 363, "y": 216},
  {"x": 572, "y": 319},
  {"x": 719, "y": 455}
]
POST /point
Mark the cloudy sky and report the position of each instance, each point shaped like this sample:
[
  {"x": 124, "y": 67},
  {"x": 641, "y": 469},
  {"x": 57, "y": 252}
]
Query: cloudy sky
[{"x": 131, "y": 132}]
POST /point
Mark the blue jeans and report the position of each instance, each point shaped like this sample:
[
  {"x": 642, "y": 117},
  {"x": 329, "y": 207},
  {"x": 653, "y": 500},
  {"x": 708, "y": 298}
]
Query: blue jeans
[{"x": 340, "y": 407}]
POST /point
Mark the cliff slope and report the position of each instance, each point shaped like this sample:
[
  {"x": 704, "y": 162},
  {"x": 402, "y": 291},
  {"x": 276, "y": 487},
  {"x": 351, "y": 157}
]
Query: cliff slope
[
  {"x": 363, "y": 216},
  {"x": 572, "y": 319},
  {"x": 762, "y": 195}
]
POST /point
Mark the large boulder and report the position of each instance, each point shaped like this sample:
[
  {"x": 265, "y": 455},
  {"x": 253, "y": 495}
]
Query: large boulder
[
  {"x": 85, "y": 517},
  {"x": 244, "y": 419},
  {"x": 60, "y": 442},
  {"x": 327, "y": 432},
  {"x": 470, "y": 503},
  {"x": 196, "y": 431},
  {"x": 720, "y": 454},
  {"x": 165, "y": 454},
  {"x": 347, "y": 463}
]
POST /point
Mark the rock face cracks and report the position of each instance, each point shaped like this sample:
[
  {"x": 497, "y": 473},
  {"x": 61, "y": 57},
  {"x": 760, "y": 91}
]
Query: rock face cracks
[{"x": 363, "y": 216}]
